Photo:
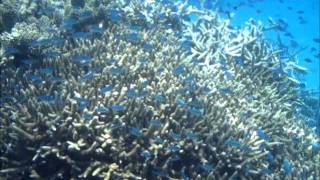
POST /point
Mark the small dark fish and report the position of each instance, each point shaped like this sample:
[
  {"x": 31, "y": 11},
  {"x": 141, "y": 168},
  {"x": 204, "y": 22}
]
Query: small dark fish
[
  {"x": 258, "y": 11},
  {"x": 317, "y": 40},
  {"x": 290, "y": 8},
  {"x": 312, "y": 49},
  {"x": 293, "y": 43},
  {"x": 300, "y": 12},
  {"x": 303, "y": 22},
  {"x": 307, "y": 60},
  {"x": 288, "y": 34}
]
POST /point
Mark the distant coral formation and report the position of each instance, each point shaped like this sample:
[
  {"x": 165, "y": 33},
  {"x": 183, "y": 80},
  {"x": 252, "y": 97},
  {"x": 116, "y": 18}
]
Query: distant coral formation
[{"x": 136, "y": 90}]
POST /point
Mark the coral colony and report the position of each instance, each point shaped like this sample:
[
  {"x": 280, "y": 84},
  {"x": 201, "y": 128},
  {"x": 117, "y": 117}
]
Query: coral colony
[{"x": 119, "y": 89}]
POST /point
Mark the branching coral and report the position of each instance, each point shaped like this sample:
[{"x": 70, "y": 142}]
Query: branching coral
[{"x": 149, "y": 95}]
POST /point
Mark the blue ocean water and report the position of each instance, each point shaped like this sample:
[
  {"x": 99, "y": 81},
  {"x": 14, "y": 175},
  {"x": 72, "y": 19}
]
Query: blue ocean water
[
  {"x": 300, "y": 33},
  {"x": 146, "y": 89}
]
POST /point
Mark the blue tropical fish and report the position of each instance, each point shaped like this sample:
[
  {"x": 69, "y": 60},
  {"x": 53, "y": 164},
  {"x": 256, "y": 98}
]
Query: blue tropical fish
[
  {"x": 233, "y": 143},
  {"x": 155, "y": 122},
  {"x": 101, "y": 109},
  {"x": 46, "y": 70},
  {"x": 118, "y": 107},
  {"x": 117, "y": 70},
  {"x": 175, "y": 136},
  {"x": 159, "y": 98},
  {"x": 27, "y": 62},
  {"x": 173, "y": 147},
  {"x": 46, "y": 98},
  {"x": 82, "y": 59},
  {"x": 11, "y": 51},
  {"x": 181, "y": 102},
  {"x": 135, "y": 131},
  {"x": 146, "y": 154},
  {"x": 179, "y": 70},
  {"x": 87, "y": 116},
  {"x": 286, "y": 166},
  {"x": 106, "y": 89},
  {"x": 206, "y": 167},
  {"x": 132, "y": 93},
  {"x": 262, "y": 135},
  {"x": 81, "y": 35},
  {"x": 88, "y": 76},
  {"x": 133, "y": 37}
]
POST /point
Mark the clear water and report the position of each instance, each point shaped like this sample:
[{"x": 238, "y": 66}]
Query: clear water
[{"x": 141, "y": 89}]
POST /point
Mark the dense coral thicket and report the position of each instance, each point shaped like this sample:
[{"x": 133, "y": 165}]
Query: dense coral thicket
[{"x": 134, "y": 90}]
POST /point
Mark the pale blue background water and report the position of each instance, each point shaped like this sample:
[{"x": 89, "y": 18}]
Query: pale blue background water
[{"x": 303, "y": 34}]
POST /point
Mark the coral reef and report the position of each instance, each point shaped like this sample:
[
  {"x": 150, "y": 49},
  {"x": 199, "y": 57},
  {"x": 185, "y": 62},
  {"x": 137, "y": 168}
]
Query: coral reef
[{"x": 134, "y": 90}]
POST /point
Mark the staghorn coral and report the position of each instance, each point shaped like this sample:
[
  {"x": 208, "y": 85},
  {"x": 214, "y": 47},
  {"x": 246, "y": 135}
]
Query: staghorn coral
[{"x": 154, "y": 97}]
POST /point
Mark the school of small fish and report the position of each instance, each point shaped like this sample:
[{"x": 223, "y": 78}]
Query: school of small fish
[{"x": 133, "y": 89}]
